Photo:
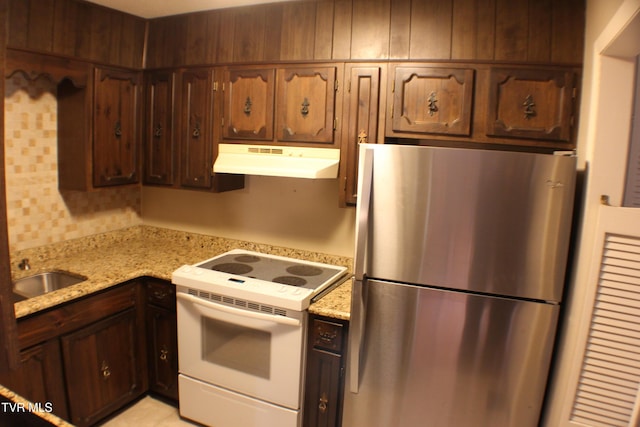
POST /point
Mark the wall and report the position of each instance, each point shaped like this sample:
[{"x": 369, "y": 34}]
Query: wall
[
  {"x": 37, "y": 212},
  {"x": 289, "y": 212}
]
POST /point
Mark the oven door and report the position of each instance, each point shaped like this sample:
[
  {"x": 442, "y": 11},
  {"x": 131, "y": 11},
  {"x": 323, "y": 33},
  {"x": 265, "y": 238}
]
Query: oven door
[{"x": 253, "y": 353}]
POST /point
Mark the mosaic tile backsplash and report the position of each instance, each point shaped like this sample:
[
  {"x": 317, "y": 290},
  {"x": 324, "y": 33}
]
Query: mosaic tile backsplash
[{"x": 38, "y": 213}]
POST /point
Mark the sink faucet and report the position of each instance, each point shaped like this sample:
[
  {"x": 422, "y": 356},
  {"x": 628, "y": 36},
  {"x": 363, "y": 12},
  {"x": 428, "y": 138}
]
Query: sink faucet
[{"x": 24, "y": 264}]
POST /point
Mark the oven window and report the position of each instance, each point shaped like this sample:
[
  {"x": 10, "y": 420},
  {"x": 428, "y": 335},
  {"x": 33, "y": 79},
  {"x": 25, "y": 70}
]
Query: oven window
[{"x": 236, "y": 347}]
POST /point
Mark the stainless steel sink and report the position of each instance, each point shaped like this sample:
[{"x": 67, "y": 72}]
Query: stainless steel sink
[{"x": 41, "y": 283}]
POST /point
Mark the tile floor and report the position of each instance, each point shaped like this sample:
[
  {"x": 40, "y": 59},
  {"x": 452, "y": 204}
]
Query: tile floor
[{"x": 148, "y": 412}]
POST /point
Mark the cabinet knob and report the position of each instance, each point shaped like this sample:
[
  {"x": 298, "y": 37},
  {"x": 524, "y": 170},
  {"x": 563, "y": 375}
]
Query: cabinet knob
[
  {"x": 157, "y": 131},
  {"x": 105, "y": 370},
  {"x": 432, "y": 103},
  {"x": 322, "y": 406},
  {"x": 247, "y": 106},
  {"x": 305, "y": 107},
  {"x": 363, "y": 137},
  {"x": 529, "y": 107},
  {"x": 196, "y": 131},
  {"x": 164, "y": 354},
  {"x": 117, "y": 131}
]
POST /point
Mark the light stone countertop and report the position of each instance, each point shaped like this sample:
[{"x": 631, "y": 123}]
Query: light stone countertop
[{"x": 112, "y": 258}]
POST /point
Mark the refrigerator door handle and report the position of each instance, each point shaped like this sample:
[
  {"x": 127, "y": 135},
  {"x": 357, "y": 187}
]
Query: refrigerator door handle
[
  {"x": 365, "y": 180},
  {"x": 356, "y": 328}
]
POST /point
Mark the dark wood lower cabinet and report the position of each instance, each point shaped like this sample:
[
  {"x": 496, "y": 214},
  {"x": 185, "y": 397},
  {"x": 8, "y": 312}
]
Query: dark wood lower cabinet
[
  {"x": 102, "y": 367},
  {"x": 324, "y": 384},
  {"x": 162, "y": 338}
]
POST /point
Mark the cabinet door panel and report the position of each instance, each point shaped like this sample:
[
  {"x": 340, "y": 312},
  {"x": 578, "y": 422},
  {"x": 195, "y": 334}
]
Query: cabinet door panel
[
  {"x": 248, "y": 104},
  {"x": 306, "y": 104},
  {"x": 429, "y": 100},
  {"x": 39, "y": 377},
  {"x": 531, "y": 103},
  {"x": 196, "y": 136},
  {"x": 102, "y": 367},
  {"x": 361, "y": 122},
  {"x": 115, "y": 133},
  {"x": 162, "y": 351},
  {"x": 159, "y": 159}
]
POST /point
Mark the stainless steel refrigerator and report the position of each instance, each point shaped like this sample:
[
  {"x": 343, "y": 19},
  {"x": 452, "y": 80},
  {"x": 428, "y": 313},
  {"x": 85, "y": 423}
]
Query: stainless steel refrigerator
[{"x": 459, "y": 270}]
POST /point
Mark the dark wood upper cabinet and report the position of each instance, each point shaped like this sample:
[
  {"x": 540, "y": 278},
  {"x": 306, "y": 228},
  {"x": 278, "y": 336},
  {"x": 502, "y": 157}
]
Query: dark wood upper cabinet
[
  {"x": 248, "y": 104},
  {"x": 430, "y": 100},
  {"x": 116, "y": 132},
  {"x": 306, "y": 103},
  {"x": 362, "y": 117},
  {"x": 160, "y": 150},
  {"x": 195, "y": 136},
  {"x": 531, "y": 103},
  {"x": 99, "y": 130}
]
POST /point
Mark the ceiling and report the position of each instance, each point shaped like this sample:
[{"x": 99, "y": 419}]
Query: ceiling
[{"x": 156, "y": 8}]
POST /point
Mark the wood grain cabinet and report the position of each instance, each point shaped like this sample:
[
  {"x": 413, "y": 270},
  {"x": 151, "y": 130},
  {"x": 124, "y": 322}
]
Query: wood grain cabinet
[
  {"x": 84, "y": 357},
  {"x": 99, "y": 130},
  {"x": 102, "y": 367},
  {"x": 248, "y": 107},
  {"x": 284, "y": 105},
  {"x": 362, "y": 118},
  {"x": 531, "y": 103},
  {"x": 162, "y": 338},
  {"x": 160, "y": 149},
  {"x": 306, "y": 104},
  {"x": 195, "y": 132},
  {"x": 324, "y": 387},
  {"x": 116, "y": 132},
  {"x": 430, "y": 100}
]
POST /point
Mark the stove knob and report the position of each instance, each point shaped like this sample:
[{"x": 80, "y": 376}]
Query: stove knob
[
  {"x": 186, "y": 269},
  {"x": 282, "y": 289},
  {"x": 296, "y": 292}
]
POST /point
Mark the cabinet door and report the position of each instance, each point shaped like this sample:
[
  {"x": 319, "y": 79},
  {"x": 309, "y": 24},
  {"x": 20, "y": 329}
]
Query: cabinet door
[
  {"x": 361, "y": 113},
  {"x": 306, "y": 104},
  {"x": 249, "y": 104},
  {"x": 196, "y": 125},
  {"x": 431, "y": 100},
  {"x": 162, "y": 350},
  {"x": 116, "y": 139},
  {"x": 531, "y": 103},
  {"x": 159, "y": 148},
  {"x": 102, "y": 367},
  {"x": 39, "y": 377},
  {"x": 324, "y": 377}
]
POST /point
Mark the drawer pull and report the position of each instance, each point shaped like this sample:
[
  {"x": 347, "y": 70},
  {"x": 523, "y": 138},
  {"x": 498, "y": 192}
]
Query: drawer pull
[
  {"x": 105, "y": 370},
  {"x": 322, "y": 406},
  {"x": 164, "y": 354}
]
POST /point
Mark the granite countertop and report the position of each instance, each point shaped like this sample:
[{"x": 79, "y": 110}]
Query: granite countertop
[{"x": 116, "y": 257}]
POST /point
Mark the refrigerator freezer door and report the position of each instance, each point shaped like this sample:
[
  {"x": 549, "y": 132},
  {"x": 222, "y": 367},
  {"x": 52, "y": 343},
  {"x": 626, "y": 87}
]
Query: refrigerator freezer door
[
  {"x": 434, "y": 358},
  {"x": 480, "y": 220}
]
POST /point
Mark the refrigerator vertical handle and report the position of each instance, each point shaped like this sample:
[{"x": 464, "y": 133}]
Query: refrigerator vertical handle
[
  {"x": 365, "y": 180},
  {"x": 356, "y": 327}
]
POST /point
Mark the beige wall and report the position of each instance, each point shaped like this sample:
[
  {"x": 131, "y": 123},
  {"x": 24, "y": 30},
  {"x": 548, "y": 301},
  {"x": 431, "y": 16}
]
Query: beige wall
[
  {"x": 290, "y": 212},
  {"x": 37, "y": 212}
]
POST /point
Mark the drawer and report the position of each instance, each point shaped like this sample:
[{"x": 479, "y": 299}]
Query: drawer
[
  {"x": 327, "y": 335},
  {"x": 161, "y": 293}
]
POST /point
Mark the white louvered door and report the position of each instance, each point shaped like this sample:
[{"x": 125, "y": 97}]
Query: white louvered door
[{"x": 606, "y": 393}]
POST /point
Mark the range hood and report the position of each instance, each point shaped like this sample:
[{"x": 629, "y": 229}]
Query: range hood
[{"x": 295, "y": 162}]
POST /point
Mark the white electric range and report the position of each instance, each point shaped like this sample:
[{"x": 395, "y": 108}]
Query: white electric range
[{"x": 242, "y": 324}]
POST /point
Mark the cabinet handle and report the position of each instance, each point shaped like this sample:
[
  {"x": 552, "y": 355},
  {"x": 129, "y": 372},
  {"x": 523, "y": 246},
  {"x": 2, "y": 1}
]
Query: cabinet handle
[
  {"x": 160, "y": 294},
  {"x": 247, "y": 106},
  {"x": 529, "y": 107},
  {"x": 196, "y": 131},
  {"x": 363, "y": 137},
  {"x": 322, "y": 406},
  {"x": 118, "y": 129},
  {"x": 305, "y": 107},
  {"x": 164, "y": 354},
  {"x": 105, "y": 370},
  {"x": 432, "y": 102},
  {"x": 157, "y": 131}
]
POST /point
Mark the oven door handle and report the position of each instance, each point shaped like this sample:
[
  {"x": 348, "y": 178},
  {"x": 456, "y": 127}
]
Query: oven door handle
[{"x": 237, "y": 311}]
